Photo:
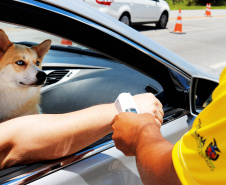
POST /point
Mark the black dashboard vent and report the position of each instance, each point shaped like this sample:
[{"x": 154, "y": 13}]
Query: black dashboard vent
[
  {"x": 150, "y": 89},
  {"x": 55, "y": 76}
]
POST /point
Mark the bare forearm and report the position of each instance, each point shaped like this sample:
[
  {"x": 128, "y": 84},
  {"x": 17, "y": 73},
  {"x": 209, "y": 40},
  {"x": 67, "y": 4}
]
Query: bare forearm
[
  {"x": 154, "y": 159},
  {"x": 42, "y": 137}
]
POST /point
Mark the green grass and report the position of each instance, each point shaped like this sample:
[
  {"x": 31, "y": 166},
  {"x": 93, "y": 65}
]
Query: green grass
[
  {"x": 218, "y": 7},
  {"x": 183, "y": 6}
]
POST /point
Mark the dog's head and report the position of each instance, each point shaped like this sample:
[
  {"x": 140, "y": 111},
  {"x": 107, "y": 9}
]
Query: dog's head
[{"x": 21, "y": 65}]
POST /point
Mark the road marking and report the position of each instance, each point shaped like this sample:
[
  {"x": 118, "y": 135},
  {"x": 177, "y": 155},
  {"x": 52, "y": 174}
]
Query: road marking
[
  {"x": 207, "y": 28},
  {"x": 221, "y": 64},
  {"x": 204, "y": 17}
]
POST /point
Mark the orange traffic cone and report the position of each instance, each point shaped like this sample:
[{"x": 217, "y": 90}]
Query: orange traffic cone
[
  {"x": 207, "y": 6},
  {"x": 178, "y": 26},
  {"x": 66, "y": 42}
]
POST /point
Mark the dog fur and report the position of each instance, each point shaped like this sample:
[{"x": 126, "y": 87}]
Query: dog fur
[{"x": 21, "y": 77}]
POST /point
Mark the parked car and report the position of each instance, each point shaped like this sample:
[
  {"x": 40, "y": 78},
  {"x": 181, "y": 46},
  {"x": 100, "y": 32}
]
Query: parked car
[
  {"x": 106, "y": 58},
  {"x": 133, "y": 12}
]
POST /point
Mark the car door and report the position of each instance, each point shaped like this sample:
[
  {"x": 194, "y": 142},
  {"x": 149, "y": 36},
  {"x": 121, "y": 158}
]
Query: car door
[
  {"x": 152, "y": 10},
  {"x": 137, "y": 10}
]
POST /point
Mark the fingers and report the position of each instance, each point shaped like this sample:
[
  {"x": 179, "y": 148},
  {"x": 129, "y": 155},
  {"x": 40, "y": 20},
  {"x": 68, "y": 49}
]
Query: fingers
[
  {"x": 148, "y": 102},
  {"x": 161, "y": 110},
  {"x": 127, "y": 128},
  {"x": 159, "y": 106},
  {"x": 158, "y": 116},
  {"x": 157, "y": 112},
  {"x": 158, "y": 123}
]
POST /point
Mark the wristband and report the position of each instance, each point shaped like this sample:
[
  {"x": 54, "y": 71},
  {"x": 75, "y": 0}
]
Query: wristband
[{"x": 125, "y": 103}]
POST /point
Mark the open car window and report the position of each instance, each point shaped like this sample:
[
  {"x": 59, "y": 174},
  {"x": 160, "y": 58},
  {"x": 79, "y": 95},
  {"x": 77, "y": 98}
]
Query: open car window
[{"x": 78, "y": 77}]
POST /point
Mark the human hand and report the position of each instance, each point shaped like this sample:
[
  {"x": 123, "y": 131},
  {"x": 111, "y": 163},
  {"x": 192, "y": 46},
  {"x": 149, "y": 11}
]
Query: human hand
[
  {"x": 127, "y": 128},
  {"x": 148, "y": 103}
]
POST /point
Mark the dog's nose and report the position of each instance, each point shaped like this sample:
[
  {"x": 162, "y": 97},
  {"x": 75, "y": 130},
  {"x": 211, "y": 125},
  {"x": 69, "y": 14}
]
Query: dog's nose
[{"x": 41, "y": 76}]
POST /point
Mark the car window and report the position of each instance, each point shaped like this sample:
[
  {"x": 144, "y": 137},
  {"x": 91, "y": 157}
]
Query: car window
[
  {"x": 78, "y": 77},
  {"x": 23, "y": 34}
]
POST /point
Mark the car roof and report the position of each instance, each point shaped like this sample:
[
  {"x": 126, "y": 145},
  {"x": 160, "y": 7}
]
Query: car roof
[{"x": 88, "y": 12}]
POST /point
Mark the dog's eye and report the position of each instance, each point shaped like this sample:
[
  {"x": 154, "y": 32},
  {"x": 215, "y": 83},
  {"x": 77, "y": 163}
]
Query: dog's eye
[
  {"x": 20, "y": 62},
  {"x": 37, "y": 63}
]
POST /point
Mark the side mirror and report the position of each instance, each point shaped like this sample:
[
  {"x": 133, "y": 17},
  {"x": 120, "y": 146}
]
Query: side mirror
[{"x": 201, "y": 93}]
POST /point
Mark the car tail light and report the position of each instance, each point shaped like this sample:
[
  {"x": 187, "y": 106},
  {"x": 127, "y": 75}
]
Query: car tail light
[{"x": 105, "y": 2}]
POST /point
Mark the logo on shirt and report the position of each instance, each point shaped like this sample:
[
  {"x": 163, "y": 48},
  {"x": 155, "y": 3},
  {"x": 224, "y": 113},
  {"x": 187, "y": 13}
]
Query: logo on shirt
[
  {"x": 209, "y": 153},
  {"x": 212, "y": 151}
]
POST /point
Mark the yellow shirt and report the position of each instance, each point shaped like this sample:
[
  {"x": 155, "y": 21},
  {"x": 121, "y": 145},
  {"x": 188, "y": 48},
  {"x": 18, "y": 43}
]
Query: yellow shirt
[{"x": 199, "y": 157}]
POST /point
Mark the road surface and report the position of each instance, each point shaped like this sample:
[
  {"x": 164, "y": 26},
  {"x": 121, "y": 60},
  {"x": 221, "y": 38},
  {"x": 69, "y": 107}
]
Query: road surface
[{"x": 204, "y": 41}]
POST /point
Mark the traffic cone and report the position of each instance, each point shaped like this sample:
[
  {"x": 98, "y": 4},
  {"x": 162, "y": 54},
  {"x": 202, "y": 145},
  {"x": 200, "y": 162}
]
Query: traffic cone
[
  {"x": 178, "y": 26},
  {"x": 207, "y": 5},
  {"x": 66, "y": 42},
  {"x": 209, "y": 14}
]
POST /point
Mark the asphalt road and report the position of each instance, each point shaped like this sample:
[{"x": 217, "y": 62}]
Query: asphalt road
[{"x": 204, "y": 41}]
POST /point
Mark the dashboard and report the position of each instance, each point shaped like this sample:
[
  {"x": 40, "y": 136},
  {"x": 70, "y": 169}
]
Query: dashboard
[{"x": 76, "y": 81}]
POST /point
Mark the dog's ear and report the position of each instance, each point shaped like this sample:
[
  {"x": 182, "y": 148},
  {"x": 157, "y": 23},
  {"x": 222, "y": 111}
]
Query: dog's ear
[
  {"x": 42, "y": 48},
  {"x": 5, "y": 43}
]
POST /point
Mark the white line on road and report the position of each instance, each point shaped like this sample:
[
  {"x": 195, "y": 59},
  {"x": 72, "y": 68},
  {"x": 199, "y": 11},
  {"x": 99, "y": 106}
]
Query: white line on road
[
  {"x": 207, "y": 28},
  {"x": 203, "y": 17},
  {"x": 221, "y": 64}
]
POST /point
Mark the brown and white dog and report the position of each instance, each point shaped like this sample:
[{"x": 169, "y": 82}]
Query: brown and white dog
[{"x": 21, "y": 77}]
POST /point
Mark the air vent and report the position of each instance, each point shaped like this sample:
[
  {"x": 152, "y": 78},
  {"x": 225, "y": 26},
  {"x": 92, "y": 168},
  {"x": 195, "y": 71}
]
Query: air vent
[
  {"x": 150, "y": 89},
  {"x": 55, "y": 76}
]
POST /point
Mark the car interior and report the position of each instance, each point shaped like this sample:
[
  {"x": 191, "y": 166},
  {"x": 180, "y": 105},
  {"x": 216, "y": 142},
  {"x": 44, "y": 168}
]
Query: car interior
[{"x": 79, "y": 78}]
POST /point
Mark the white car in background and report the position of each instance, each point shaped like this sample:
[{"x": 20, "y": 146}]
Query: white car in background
[{"x": 133, "y": 12}]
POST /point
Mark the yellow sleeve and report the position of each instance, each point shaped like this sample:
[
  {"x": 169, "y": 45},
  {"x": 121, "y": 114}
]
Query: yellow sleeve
[
  {"x": 199, "y": 157},
  {"x": 180, "y": 166}
]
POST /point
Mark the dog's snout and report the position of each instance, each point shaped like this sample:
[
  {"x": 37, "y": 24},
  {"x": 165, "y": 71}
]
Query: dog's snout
[{"x": 41, "y": 77}]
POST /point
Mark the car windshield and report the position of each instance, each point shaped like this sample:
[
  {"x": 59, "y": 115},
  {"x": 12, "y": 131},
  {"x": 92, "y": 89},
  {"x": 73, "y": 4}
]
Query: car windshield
[{"x": 24, "y": 34}]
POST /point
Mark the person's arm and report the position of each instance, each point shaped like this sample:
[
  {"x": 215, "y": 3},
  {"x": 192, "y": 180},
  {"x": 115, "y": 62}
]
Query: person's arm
[
  {"x": 49, "y": 136},
  {"x": 46, "y": 136},
  {"x": 140, "y": 136}
]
